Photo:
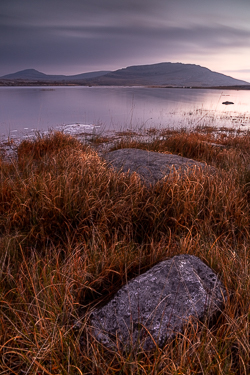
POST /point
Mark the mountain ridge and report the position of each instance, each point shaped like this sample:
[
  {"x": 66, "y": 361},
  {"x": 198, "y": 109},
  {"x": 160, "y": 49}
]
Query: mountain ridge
[
  {"x": 173, "y": 74},
  {"x": 160, "y": 74},
  {"x": 30, "y": 74}
]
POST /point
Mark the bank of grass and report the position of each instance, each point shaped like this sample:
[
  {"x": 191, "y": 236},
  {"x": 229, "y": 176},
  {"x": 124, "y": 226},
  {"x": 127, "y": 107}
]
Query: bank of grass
[{"x": 73, "y": 231}]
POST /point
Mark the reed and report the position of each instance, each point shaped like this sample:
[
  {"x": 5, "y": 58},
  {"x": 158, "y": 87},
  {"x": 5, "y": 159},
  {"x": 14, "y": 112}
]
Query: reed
[{"x": 73, "y": 231}]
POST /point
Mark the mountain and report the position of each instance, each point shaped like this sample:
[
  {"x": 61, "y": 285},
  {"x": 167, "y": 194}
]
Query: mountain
[
  {"x": 35, "y": 75},
  {"x": 162, "y": 74},
  {"x": 168, "y": 74}
]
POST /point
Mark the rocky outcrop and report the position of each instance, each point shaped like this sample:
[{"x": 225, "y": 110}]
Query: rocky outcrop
[
  {"x": 154, "y": 306},
  {"x": 151, "y": 166}
]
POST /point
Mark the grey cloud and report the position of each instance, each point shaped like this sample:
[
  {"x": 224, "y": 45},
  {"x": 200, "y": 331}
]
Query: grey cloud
[
  {"x": 91, "y": 43},
  {"x": 74, "y": 10},
  {"x": 60, "y": 33}
]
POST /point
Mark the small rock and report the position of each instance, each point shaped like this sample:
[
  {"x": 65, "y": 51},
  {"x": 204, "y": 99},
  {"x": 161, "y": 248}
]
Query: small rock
[
  {"x": 227, "y": 103},
  {"x": 154, "y": 306}
]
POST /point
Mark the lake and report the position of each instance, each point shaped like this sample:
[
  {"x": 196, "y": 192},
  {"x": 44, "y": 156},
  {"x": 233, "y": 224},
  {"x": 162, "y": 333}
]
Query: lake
[{"x": 24, "y": 110}]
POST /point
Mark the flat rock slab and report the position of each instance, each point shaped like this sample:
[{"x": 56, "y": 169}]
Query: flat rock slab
[
  {"x": 151, "y": 166},
  {"x": 154, "y": 306}
]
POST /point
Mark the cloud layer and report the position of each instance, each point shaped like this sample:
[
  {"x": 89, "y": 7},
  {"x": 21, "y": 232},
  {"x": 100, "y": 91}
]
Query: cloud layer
[{"x": 62, "y": 37}]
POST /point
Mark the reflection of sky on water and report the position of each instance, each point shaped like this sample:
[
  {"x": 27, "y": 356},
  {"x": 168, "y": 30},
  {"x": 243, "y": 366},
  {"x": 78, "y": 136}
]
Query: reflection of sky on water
[{"x": 26, "y": 109}]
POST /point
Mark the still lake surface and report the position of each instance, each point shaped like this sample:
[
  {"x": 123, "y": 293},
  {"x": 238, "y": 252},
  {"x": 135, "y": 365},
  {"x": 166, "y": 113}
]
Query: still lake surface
[{"x": 24, "y": 110}]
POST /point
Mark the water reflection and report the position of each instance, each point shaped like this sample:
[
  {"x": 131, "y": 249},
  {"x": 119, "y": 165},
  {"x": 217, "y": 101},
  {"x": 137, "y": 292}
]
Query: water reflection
[{"x": 24, "y": 110}]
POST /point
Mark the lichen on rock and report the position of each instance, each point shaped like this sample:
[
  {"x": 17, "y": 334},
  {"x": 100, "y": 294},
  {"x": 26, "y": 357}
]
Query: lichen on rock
[{"x": 153, "y": 307}]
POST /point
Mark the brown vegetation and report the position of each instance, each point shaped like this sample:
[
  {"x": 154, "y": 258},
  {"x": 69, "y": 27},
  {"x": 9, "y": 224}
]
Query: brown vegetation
[{"x": 73, "y": 231}]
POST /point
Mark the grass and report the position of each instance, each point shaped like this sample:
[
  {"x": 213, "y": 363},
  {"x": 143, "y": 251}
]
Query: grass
[{"x": 73, "y": 231}]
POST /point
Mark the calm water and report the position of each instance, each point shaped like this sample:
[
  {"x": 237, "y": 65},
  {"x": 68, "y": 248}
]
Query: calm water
[{"x": 26, "y": 109}]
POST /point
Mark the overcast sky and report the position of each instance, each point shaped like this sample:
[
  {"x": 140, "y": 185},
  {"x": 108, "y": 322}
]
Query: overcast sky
[{"x": 77, "y": 36}]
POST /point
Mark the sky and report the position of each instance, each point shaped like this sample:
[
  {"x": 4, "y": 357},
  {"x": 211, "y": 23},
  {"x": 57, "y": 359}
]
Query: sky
[{"x": 77, "y": 36}]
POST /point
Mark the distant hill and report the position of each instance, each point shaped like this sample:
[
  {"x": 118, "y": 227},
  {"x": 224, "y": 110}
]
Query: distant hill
[
  {"x": 35, "y": 75},
  {"x": 168, "y": 74},
  {"x": 162, "y": 74}
]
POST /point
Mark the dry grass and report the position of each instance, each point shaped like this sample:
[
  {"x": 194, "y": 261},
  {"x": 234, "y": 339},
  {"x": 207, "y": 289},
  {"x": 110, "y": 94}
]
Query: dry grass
[{"x": 73, "y": 231}]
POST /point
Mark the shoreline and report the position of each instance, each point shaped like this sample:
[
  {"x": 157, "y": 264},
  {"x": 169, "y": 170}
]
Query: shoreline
[
  {"x": 26, "y": 83},
  {"x": 107, "y": 140}
]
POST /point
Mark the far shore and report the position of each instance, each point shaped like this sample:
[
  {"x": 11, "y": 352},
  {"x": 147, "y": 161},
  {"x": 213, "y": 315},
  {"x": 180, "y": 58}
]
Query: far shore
[{"x": 27, "y": 83}]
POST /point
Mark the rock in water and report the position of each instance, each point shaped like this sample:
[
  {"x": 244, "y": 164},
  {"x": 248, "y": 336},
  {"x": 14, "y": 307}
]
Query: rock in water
[
  {"x": 154, "y": 306},
  {"x": 228, "y": 103}
]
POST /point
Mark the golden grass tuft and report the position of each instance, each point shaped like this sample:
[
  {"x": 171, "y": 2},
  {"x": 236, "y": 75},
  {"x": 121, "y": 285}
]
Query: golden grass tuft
[{"x": 73, "y": 231}]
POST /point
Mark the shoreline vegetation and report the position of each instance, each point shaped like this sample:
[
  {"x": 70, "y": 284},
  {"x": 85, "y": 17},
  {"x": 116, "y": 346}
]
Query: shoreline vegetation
[
  {"x": 27, "y": 83},
  {"x": 73, "y": 231}
]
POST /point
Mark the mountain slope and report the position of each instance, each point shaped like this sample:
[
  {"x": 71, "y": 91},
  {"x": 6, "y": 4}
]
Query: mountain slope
[
  {"x": 173, "y": 74},
  {"x": 162, "y": 74},
  {"x": 35, "y": 75}
]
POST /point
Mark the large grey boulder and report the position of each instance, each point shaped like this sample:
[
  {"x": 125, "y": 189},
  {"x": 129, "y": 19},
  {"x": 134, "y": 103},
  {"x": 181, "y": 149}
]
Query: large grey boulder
[
  {"x": 151, "y": 166},
  {"x": 154, "y": 306}
]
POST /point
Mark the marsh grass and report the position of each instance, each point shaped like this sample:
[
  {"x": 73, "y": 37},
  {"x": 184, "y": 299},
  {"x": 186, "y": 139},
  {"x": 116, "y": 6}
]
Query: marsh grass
[{"x": 73, "y": 231}]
